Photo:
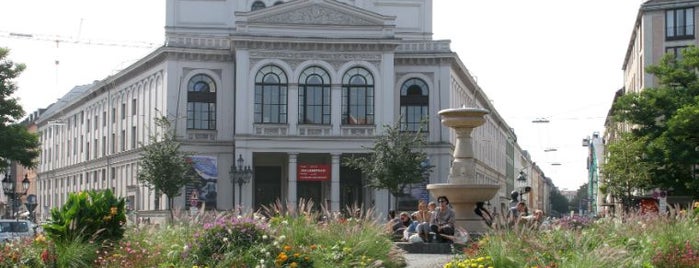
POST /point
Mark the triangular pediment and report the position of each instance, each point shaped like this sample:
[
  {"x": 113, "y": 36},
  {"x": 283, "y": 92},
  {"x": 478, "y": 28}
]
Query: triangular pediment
[{"x": 315, "y": 12}]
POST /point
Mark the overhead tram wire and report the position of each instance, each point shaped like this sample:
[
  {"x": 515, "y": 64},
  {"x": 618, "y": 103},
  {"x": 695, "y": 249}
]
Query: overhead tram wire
[{"x": 71, "y": 40}]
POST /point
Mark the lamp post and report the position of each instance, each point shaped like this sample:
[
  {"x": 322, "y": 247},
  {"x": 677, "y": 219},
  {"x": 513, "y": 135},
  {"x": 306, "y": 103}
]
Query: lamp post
[
  {"x": 240, "y": 175},
  {"x": 9, "y": 187},
  {"x": 521, "y": 181}
]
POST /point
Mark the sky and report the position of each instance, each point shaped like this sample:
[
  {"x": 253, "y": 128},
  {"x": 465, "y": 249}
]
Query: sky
[{"x": 552, "y": 59}]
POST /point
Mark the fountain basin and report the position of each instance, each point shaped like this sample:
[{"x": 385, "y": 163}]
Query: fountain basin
[{"x": 463, "y": 117}]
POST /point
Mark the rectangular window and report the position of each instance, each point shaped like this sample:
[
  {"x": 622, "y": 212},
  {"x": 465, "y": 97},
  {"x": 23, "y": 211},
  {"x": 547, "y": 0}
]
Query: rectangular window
[
  {"x": 113, "y": 115},
  {"x": 676, "y": 51},
  {"x": 87, "y": 129},
  {"x": 679, "y": 24},
  {"x": 104, "y": 118},
  {"x": 104, "y": 145},
  {"x": 96, "y": 122},
  {"x": 87, "y": 153},
  {"x": 123, "y": 111},
  {"x": 133, "y": 107},
  {"x": 133, "y": 137},
  {"x": 201, "y": 115},
  {"x": 123, "y": 141}
]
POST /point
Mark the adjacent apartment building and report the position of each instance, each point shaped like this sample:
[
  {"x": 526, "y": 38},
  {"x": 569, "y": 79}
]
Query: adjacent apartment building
[
  {"x": 661, "y": 26},
  {"x": 288, "y": 86}
]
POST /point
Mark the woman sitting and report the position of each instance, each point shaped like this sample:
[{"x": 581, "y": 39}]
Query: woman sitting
[{"x": 442, "y": 220}]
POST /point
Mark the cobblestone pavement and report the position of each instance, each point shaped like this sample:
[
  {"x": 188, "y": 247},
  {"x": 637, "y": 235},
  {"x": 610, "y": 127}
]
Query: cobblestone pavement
[{"x": 426, "y": 260}]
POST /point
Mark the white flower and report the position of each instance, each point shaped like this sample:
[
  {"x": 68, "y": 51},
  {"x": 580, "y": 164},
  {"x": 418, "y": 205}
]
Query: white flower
[
  {"x": 281, "y": 238},
  {"x": 285, "y": 222},
  {"x": 264, "y": 237},
  {"x": 185, "y": 248},
  {"x": 225, "y": 239}
]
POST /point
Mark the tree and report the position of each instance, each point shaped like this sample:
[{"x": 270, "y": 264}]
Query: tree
[
  {"x": 623, "y": 172},
  {"x": 580, "y": 198},
  {"x": 396, "y": 160},
  {"x": 17, "y": 143},
  {"x": 559, "y": 203},
  {"x": 164, "y": 167},
  {"x": 664, "y": 119}
]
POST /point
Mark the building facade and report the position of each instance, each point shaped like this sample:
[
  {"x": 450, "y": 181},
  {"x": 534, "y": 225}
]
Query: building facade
[
  {"x": 661, "y": 27},
  {"x": 290, "y": 87}
]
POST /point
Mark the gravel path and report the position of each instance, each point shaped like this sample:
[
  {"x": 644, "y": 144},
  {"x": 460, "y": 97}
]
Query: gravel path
[{"x": 426, "y": 260}]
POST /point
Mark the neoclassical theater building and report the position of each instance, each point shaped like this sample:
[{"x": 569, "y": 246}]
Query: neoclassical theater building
[{"x": 291, "y": 87}]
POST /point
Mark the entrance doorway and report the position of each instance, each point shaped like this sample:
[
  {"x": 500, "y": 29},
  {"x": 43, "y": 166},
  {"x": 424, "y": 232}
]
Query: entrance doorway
[
  {"x": 351, "y": 189},
  {"x": 310, "y": 190},
  {"x": 268, "y": 187}
]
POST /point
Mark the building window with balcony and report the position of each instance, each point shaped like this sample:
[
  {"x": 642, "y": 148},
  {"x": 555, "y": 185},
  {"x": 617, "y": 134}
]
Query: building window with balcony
[
  {"x": 679, "y": 24},
  {"x": 414, "y": 104},
  {"x": 201, "y": 103},
  {"x": 357, "y": 97},
  {"x": 314, "y": 96},
  {"x": 270, "y": 96}
]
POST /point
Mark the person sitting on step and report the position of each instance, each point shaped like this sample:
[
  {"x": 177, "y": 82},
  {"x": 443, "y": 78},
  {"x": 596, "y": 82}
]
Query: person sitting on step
[{"x": 442, "y": 222}]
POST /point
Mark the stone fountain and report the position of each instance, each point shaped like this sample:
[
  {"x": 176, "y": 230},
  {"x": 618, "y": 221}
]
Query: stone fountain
[{"x": 462, "y": 187}]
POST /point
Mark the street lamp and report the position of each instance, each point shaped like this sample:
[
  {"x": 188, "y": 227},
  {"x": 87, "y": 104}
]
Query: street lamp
[
  {"x": 9, "y": 188},
  {"x": 240, "y": 175},
  {"x": 523, "y": 189}
]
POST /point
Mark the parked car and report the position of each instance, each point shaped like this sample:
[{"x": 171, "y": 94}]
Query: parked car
[{"x": 15, "y": 229}]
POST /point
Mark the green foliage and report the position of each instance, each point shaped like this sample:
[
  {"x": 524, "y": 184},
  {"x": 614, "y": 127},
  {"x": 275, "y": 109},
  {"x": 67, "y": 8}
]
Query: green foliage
[
  {"x": 228, "y": 233},
  {"x": 664, "y": 119},
  {"x": 629, "y": 240},
  {"x": 17, "y": 143},
  {"x": 75, "y": 253},
  {"x": 579, "y": 197},
  {"x": 623, "y": 172},
  {"x": 559, "y": 203},
  {"x": 396, "y": 160},
  {"x": 94, "y": 216},
  {"x": 164, "y": 167}
]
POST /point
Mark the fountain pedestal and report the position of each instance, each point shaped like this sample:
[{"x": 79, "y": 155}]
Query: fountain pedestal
[{"x": 462, "y": 188}]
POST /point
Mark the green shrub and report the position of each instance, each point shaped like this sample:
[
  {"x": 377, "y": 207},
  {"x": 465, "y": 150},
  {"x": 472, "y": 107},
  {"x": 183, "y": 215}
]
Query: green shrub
[
  {"x": 228, "y": 233},
  {"x": 92, "y": 216}
]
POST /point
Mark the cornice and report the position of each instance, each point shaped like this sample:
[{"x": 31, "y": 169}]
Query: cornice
[{"x": 329, "y": 45}]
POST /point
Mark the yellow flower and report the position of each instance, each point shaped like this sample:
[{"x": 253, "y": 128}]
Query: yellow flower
[
  {"x": 113, "y": 211},
  {"x": 287, "y": 248},
  {"x": 294, "y": 265}
]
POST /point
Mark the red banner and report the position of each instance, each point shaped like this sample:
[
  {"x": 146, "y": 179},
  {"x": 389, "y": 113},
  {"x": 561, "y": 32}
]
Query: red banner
[{"x": 313, "y": 172}]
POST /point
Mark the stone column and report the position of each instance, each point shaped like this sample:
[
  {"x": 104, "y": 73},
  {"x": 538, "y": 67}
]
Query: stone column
[
  {"x": 291, "y": 197},
  {"x": 335, "y": 182}
]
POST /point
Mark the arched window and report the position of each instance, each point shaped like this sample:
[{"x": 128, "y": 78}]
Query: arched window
[
  {"x": 314, "y": 96},
  {"x": 357, "y": 97},
  {"x": 414, "y": 104},
  {"x": 257, "y": 5},
  {"x": 270, "y": 95},
  {"x": 201, "y": 102}
]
